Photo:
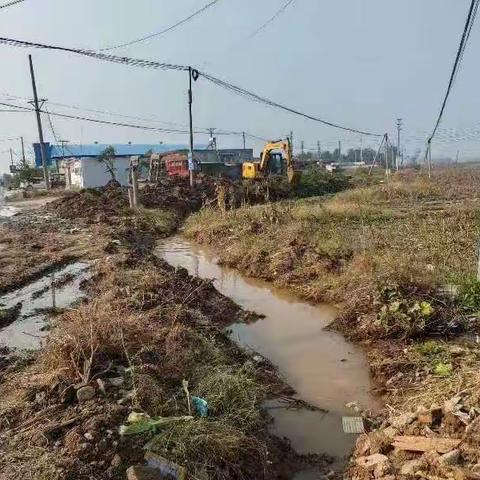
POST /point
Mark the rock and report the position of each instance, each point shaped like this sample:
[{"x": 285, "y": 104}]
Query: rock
[
  {"x": 116, "y": 461},
  {"x": 101, "y": 386},
  {"x": 167, "y": 468},
  {"x": 450, "y": 458},
  {"x": 85, "y": 393},
  {"x": 371, "y": 461},
  {"x": 116, "y": 381},
  {"x": 88, "y": 436},
  {"x": 363, "y": 445},
  {"x": 381, "y": 469},
  {"x": 403, "y": 420},
  {"x": 139, "y": 472},
  {"x": 410, "y": 467},
  {"x": 330, "y": 474},
  {"x": 452, "y": 405},
  {"x": 390, "y": 432},
  {"x": 395, "y": 378}
]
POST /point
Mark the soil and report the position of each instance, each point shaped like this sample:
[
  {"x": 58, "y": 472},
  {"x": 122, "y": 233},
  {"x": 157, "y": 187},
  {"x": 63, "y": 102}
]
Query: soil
[{"x": 146, "y": 323}]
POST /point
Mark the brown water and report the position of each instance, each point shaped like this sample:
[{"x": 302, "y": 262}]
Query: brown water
[
  {"x": 28, "y": 331},
  {"x": 323, "y": 368}
]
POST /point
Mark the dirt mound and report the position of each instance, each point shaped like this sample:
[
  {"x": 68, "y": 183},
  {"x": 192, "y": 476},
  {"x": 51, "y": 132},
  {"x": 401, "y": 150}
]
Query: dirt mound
[
  {"x": 91, "y": 204},
  {"x": 147, "y": 330}
]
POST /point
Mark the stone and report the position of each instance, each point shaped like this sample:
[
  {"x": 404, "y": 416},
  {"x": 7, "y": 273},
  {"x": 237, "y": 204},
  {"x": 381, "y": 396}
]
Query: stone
[
  {"x": 85, "y": 393},
  {"x": 410, "y": 467},
  {"x": 116, "y": 381},
  {"x": 88, "y": 436},
  {"x": 371, "y": 461},
  {"x": 363, "y": 445},
  {"x": 140, "y": 472},
  {"x": 403, "y": 420},
  {"x": 101, "y": 386},
  {"x": 116, "y": 461},
  {"x": 390, "y": 432},
  {"x": 450, "y": 458}
]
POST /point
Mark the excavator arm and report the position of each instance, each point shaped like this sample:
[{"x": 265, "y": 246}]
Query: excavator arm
[
  {"x": 286, "y": 148},
  {"x": 253, "y": 170}
]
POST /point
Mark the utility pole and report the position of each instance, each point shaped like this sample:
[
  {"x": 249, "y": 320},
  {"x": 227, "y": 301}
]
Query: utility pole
[
  {"x": 11, "y": 156},
  {"x": 291, "y": 140},
  {"x": 319, "y": 151},
  {"x": 23, "y": 150},
  {"x": 339, "y": 151},
  {"x": 387, "y": 170},
  {"x": 191, "y": 162},
  {"x": 244, "y": 144},
  {"x": 303, "y": 149},
  {"x": 399, "y": 129},
  {"x": 39, "y": 124}
]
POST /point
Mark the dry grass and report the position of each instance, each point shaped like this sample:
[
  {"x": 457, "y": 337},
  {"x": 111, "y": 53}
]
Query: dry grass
[
  {"x": 379, "y": 250},
  {"x": 143, "y": 319}
]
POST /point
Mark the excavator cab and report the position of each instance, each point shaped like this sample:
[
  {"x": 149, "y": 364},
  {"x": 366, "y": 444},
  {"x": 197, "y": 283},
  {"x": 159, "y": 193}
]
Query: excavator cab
[{"x": 272, "y": 162}]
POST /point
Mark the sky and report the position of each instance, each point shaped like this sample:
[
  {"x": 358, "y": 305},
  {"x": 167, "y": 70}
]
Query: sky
[{"x": 359, "y": 63}]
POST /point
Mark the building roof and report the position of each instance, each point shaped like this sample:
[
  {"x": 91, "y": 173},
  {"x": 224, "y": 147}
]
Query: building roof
[{"x": 122, "y": 150}]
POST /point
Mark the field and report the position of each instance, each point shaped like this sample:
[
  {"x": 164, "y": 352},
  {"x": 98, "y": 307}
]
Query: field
[{"x": 399, "y": 256}]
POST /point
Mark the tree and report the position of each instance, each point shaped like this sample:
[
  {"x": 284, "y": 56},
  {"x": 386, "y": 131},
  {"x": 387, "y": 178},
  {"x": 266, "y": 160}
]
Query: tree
[
  {"x": 25, "y": 173},
  {"x": 107, "y": 157}
]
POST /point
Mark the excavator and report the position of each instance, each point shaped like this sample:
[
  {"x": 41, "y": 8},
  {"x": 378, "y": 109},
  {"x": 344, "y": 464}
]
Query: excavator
[{"x": 261, "y": 169}]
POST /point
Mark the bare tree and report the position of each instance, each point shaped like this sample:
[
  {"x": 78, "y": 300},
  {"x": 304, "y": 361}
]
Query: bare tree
[{"x": 107, "y": 157}]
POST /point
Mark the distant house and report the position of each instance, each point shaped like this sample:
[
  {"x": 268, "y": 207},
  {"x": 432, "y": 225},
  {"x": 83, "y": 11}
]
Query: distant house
[{"x": 82, "y": 168}]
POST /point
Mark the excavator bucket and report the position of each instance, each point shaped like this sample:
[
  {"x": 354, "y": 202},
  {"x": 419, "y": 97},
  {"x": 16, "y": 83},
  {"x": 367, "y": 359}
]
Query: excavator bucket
[{"x": 293, "y": 176}]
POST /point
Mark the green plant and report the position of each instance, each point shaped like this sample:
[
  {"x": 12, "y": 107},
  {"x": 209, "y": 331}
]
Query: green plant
[{"x": 469, "y": 295}]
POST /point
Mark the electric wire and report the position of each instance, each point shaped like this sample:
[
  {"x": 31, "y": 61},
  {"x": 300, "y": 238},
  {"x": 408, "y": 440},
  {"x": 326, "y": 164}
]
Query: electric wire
[
  {"x": 257, "y": 98},
  {"x": 165, "y": 30},
  {"x": 461, "y": 50},
  {"x": 271, "y": 19},
  {"x": 134, "y": 62},
  {"x": 9, "y": 4},
  {"x": 166, "y": 66}
]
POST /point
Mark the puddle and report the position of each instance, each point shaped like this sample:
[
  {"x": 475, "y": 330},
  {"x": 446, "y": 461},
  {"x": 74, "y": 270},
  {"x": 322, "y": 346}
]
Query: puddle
[
  {"x": 7, "y": 211},
  {"x": 324, "y": 369},
  {"x": 26, "y": 332}
]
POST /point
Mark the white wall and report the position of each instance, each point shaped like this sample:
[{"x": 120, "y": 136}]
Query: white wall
[{"x": 88, "y": 172}]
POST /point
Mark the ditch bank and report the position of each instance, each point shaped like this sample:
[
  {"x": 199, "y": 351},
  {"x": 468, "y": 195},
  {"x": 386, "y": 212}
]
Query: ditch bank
[
  {"x": 326, "y": 372},
  {"x": 124, "y": 376}
]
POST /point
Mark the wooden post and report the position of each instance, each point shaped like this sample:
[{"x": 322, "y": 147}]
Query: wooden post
[{"x": 134, "y": 163}]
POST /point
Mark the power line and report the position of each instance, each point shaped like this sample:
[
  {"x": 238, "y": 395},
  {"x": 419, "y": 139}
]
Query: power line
[
  {"x": 9, "y": 4},
  {"x": 134, "y": 62},
  {"x": 166, "y": 66},
  {"x": 271, "y": 19},
  {"x": 166, "y": 30},
  {"x": 257, "y": 98},
  {"x": 458, "y": 59}
]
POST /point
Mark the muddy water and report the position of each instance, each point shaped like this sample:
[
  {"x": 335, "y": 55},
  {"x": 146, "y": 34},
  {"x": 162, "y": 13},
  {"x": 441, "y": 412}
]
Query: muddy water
[
  {"x": 324, "y": 369},
  {"x": 28, "y": 330}
]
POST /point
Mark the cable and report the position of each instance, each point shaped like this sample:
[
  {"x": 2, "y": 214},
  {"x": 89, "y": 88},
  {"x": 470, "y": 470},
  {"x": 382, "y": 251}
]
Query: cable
[
  {"x": 162, "y": 32},
  {"x": 135, "y": 62},
  {"x": 166, "y": 66},
  {"x": 9, "y": 4},
  {"x": 257, "y": 98},
  {"x": 272, "y": 19},
  {"x": 461, "y": 49}
]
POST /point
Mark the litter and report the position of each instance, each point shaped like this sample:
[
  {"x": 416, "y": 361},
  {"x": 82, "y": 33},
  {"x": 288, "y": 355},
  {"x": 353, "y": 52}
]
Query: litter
[
  {"x": 201, "y": 406},
  {"x": 353, "y": 425}
]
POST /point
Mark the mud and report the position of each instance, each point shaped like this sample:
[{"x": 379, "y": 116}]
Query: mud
[
  {"x": 320, "y": 365},
  {"x": 34, "y": 301}
]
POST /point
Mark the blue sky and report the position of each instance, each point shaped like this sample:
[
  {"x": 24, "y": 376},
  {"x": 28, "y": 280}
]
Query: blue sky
[{"x": 362, "y": 63}]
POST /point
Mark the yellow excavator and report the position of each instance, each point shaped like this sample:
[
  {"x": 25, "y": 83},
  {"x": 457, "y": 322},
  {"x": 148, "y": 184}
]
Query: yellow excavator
[{"x": 261, "y": 169}]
